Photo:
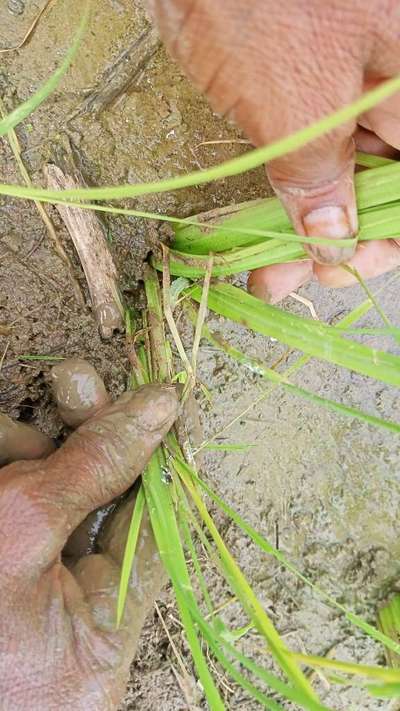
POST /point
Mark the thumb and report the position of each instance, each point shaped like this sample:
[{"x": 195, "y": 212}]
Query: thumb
[{"x": 315, "y": 185}]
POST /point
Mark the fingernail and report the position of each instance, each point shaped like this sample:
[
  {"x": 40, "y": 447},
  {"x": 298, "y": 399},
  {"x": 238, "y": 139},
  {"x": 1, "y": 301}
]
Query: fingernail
[{"x": 331, "y": 222}]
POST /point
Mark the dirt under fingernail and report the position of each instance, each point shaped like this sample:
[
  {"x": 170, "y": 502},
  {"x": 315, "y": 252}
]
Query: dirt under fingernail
[{"x": 331, "y": 222}]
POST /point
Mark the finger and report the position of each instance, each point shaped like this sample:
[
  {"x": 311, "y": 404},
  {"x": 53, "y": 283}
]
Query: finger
[
  {"x": 311, "y": 65},
  {"x": 80, "y": 393},
  {"x": 78, "y": 390},
  {"x": 326, "y": 206},
  {"x": 314, "y": 183},
  {"x": 20, "y": 441},
  {"x": 369, "y": 142},
  {"x": 274, "y": 283},
  {"x": 97, "y": 463},
  {"x": 292, "y": 90},
  {"x": 94, "y": 623},
  {"x": 383, "y": 120},
  {"x": 370, "y": 260},
  {"x": 99, "y": 577}
]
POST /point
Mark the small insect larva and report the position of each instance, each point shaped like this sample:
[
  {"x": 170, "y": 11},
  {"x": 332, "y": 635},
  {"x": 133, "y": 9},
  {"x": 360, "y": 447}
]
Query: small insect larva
[{"x": 16, "y": 7}]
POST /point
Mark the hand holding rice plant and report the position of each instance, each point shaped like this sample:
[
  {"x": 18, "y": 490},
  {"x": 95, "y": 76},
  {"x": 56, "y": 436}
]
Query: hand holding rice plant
[
  {"x": 315, "y": 184},
  {"x": 58, "y": 592},
  {"x": 276, "y": 67}
]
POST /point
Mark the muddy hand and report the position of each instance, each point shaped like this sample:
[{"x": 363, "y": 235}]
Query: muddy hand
[
  {"x": 59, "y": 648},
  {"x": 275, "y": 67}
]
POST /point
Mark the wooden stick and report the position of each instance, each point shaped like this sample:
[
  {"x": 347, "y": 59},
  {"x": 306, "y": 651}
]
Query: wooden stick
[
  {"x": 117, "y": 79},
  {"x": 90, "y": 243}
]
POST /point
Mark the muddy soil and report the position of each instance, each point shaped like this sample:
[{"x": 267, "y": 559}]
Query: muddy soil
[{"x": 326, "y": 488}]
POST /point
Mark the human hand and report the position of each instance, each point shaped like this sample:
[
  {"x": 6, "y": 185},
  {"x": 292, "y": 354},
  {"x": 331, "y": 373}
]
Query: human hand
[
  {"x": 59, "y": 647},
  {"x": 275, "y": 67}
]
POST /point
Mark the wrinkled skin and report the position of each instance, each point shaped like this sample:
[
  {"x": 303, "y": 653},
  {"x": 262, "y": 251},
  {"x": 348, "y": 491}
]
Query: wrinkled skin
[
  {"x": 59, "y": 647},
  {"x": 274, "y": 67}
]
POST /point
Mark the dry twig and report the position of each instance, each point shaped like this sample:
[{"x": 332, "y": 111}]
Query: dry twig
[
  {"x": 117, "y": 79},
  {"x": 87, "y": 235},
  {"x": 202, "y": 312},
  {"x": 170, "y": 319}
]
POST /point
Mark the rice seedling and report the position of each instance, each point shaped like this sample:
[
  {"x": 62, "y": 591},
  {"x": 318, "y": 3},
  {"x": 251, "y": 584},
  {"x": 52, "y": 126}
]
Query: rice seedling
[
  {"x": 175, "y": 494},
  {"x": 389, "y": 623}
]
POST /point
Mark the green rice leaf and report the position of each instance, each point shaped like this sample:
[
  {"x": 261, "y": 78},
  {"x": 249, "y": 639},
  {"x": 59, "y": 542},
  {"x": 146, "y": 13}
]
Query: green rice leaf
[
  {"x": 129, "y": 553},
  {"x": 167, "y": 535},
  {"x": 246, "y": 162},
  {"x": 312, "y": 337},
  {"x": 259, "y": 368},
  {"x": 386, "y": 691},
  {"x": 240, "y": 679},
  {"x": 368, "y": 160},
  {"x": 267, "y": 547},
  {"x": 244, "y": 592},
  {"x": 176, "y": 289},
  {"x": 389, "y": 623},
  {"x": 288, "y": 692},
  {"x": 365, "y": 670},
  {"x": 218, "y": 646},
  {"x": 378, "y": 195}
]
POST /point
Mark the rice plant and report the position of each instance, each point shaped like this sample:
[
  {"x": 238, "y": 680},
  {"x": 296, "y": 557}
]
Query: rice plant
[{"x": 175, "y": 494}]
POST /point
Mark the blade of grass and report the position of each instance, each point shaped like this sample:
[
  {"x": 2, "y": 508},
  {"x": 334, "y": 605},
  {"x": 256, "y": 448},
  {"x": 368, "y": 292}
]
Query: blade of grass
[
  {"x": 365, "y": 287},
  {"x": 166, "y": 533},
  {"x": 258, "y": 367},
  {"x": 161, "y": 506},
  {"x": 187, "y": 537},
  {"x": 385, "y": 691},
  {"x": 267, "y": 677},
  {"x": 27, "y": 356},
  {"x": 194, "y": 266},
  {"x": 129, "y": 553},
  {"x": 244, "y": 592},
  {"x": 389, "y": 623},
  {"x": 170, "y": 319},
  {"x": 368, "y": 160},
  {"x": 312, "y": 337},
  {"x": 389, "y": 675},
  {"x": 223, "y": 230},
  {"x": 347, "y": 321},
  {"x": 243, "y": 163},
  {"x": 267, "y": 547}
]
